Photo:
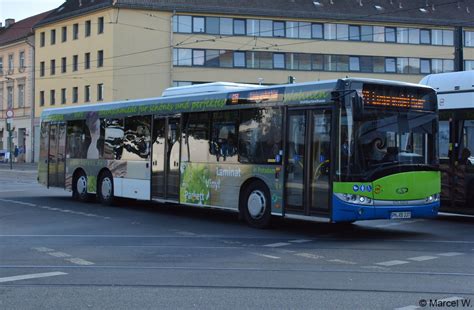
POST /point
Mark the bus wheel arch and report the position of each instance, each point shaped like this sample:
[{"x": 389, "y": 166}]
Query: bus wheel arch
[
  {"x": 105, "y": 187},
  {"x": 79, "y": 185},
  {"x": 255, "y": 203}
]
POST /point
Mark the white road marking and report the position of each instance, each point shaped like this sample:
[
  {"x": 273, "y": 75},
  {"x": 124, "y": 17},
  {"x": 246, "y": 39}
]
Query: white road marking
[
  {"x": 341, "y": 261},
  {"x": 79, "y": 261},
  {"x": 43, "y": 249},
  {"x": 267, "y": 256},
  {"x": 449, "y": 254},
  {"x": 31, "y": 276},
  {"x": 422, "y": 258},
  {"x": 403, "y": 222},
  {"x": 286, "y": 251},
  {"x": 392, "y": 263},
  {"x": 276, "y": 245},
  {"x": 408, "y": 308},
  {"x": 59, "y": 254},
  {"x": 300, "y": 241},
  {"x": 185, "y": 233},
  {"x": 309, "y": 255}
]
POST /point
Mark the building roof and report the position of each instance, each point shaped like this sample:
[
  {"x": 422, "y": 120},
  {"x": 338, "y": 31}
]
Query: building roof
[
  {"x": 20, "y": 30},
  {"x": 426, "y": 12}
]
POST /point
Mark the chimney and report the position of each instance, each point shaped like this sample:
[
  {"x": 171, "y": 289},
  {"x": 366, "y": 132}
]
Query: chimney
[{"x": 9, "y": 22}]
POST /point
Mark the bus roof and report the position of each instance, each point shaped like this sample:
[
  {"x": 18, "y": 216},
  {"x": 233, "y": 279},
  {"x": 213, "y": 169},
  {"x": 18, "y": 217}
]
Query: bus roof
[
  {"x": 211, "y": 96},
  {"x": 455, "y": 89}
]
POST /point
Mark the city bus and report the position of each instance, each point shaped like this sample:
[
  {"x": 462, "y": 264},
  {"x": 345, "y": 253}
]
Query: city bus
[
  {"x": 337, "y": 151},
  {"x": 455, "y": 92}
]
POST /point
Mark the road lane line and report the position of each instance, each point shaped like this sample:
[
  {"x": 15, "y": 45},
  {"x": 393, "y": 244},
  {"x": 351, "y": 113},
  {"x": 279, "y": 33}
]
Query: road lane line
[
  {"x": 267, "y": 256},
  {"x": 422, "y": 258},
  {"x": 31, "y": 276},
  {"x": 399, "y": 223},
  {"x": 276, "y": 245},
  {"x": 309, "y": 255},
  {"x": 43, "y": 249},
  {"x": 341, "y": 261},
  {"x": 450, "y": 254},
  {"x": 392, "y": 263},
  {"x": 408, "y": 308},
  {"x": 300, "y": 241},
  {"x": 79, "y": 261},
  {"x": 59, "y": 254}
]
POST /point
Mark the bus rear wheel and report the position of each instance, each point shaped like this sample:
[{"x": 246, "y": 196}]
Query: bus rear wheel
[
  {"x": 255, "y": 204},
  {"x": 79, "y": 188},
  {"x": 105, "y": 191}
]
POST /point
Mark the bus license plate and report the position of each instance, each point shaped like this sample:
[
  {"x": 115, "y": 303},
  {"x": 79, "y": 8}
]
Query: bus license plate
[{"x": 400, "y": 215}]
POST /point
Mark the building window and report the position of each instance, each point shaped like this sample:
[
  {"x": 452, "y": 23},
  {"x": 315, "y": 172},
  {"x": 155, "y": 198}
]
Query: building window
[
  {"x": 279, "y": 29},
  {"x": 469, "y": 38},
  {"x": 305, "y": 30},
  {"x": 226, "y": 59},
  {"x": 41, "y": 99},
  {"x": 239, "y": 27},
  {"x": 100, "y": 25},
  {"x": 425, "y": 36},
  {"x": 448, "y": 37},
  {"x": 10, "y": 97},
  {"x": 212, "y": 58},
  {"x": 182, "y": 23},
  {"x": 63, "y": 96},
  {"x": 342, "y": 32},
  {"x": 291, "y": 29},
  {"x": 100, "y": 92},
  {"x": 64, "y": 34},
  {"x": 414, "y": 66},
  {"x": 354, "y": 33},
  {"x": 379, "y": 34},
  {"x": 414, "y": 36},
  {"x": 75, "y": 31},
  {"x": 367, "y": 33},
  {"x": 330, "y": 31},
  {"x": 266, "y": 28},
  {"x": 21, "y": 95},
  {"x": 53, "y": 67},
  {"x": 42, "y": 68},
  {"x": 52, "y": 97},
  {"x": 183, "y": 57},
  {"x": 279, "y": 61},
  {"x": 437, "y": 37},
  {"x": 198, "y": 57},
  {"x": 100, "y": 59},
  {"x": 22, "y": 60},
  {"x": 226, "y": 26},
  {"x": 75, "y": 62},
  {"x": 317, "y": 31},
  {"x": 390, "y": 34},
  {"x": 391, "y": 65},
  {"x": 11, "y": 64},
  {"x": 63, "y": 65},
  {"x": 448, "y": 65},
  {"x": 42, "y": 39},
  {"x": 402, "y": 35},
  {"x": 87, "y": 93},
  {"x": 75, "y": 94},
  {"x": 87, "y": 28},
  {"x": 53, "y": 36},
  {"x": 1, "y": 66},
  {"x": 402, "y": 65},
  {"x": 199, "y": 25},
  {"x": 253, "y": 27},
  {"x": 239, "y": 59},
  {"x": 317, "y": 62},
  {"x": 354, "y": 64},
  {"x": 87, "y": 60},
  {"x": 468, "y": 65},
  {"x": 212, "y": 25},
  {"x": 425, "y": 66}
]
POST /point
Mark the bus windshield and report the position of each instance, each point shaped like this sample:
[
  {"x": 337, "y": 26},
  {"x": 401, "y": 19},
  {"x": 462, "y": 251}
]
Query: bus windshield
[{"x": 382, "y": 141}]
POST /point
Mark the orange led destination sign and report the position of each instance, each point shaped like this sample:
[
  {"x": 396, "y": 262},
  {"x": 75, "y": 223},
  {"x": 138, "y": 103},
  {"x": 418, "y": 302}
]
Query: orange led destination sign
[
  {"x": 398, "y": 97},
  {"x": 256, "y": 96}
]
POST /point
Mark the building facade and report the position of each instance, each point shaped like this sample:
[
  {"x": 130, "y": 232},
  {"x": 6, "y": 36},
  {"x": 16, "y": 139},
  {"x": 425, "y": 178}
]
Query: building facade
[
  {"x": 100, "y": 51},
  {"x": 17, "y": 77}
]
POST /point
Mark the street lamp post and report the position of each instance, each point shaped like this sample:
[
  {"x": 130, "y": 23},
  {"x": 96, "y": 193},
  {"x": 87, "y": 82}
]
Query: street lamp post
[{"x": 9, "y": 116}]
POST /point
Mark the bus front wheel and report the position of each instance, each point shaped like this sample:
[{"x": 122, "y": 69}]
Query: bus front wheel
[
  {"x": 105, "y": 191},
  {"x": 79, "y": 190},
  {"x": 256, "y": 205}
]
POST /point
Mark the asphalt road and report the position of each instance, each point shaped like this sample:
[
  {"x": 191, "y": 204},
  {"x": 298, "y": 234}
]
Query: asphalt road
[{"x": 56, "y": 253}]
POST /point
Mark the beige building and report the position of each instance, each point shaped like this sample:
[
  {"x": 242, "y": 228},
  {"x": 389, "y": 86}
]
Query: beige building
[
  {"x": 17, "y": 76},
  {"x": 100, "y": 51}
]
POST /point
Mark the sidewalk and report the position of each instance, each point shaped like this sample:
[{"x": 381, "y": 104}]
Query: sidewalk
[{"x": 20, "y": 167}]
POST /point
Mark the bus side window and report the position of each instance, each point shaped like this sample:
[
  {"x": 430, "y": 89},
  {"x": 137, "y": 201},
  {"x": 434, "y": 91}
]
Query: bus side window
[
  {"x": 196, "y": 143},
  {"x": 113, "y": 138},
  {"x": 78, "y": 139},
  {"x": 223, "y": 144},
  {"x": 137, "y": 137}
]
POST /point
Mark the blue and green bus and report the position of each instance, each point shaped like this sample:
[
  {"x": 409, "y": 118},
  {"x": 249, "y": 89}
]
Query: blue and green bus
[{"x": 339, "y": 151}]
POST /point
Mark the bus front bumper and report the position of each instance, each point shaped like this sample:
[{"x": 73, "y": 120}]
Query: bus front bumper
[{"x": 348, "y": 212}]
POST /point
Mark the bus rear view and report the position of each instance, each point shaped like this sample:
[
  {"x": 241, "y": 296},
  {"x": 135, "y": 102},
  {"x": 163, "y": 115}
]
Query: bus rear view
[{"x": 388, "y": 165}]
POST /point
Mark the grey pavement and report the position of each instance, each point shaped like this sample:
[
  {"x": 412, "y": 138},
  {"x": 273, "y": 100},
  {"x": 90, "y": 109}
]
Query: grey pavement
[{"x": 56, "y": 253}]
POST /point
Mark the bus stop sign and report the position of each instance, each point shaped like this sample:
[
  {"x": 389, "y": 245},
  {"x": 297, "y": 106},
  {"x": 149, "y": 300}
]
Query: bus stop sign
[{"x": 9, "y": 114}]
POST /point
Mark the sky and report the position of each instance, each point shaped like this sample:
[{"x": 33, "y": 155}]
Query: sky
[{"x": 21, "y": 9}]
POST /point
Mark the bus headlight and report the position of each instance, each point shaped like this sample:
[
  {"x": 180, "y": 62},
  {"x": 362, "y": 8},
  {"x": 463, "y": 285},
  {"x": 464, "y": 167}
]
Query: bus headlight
[
  {"x": 432, "y": 198},
  {"x": 355, "y": 199}
]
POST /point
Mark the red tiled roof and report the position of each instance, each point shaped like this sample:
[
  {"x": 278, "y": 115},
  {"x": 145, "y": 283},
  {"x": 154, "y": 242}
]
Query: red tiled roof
[{"x": 20, "y": 29}]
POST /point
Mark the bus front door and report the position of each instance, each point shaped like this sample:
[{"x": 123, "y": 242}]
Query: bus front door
[
  {"x": 165, "y": 158},
  {"x": 308, "y": 153},
  {"x": 56, "y": 155}
]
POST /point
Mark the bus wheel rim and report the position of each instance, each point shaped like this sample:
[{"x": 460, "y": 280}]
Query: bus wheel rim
[
  {"x": 256, "y": 204},
  {"x": 81, "y": 185},
  {"x": 106, "y": 188}
]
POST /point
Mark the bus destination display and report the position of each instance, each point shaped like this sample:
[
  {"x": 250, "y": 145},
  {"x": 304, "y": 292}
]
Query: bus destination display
[
  {"x": 256, "y": 96},
  {"x": 396, "y": 98}
]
